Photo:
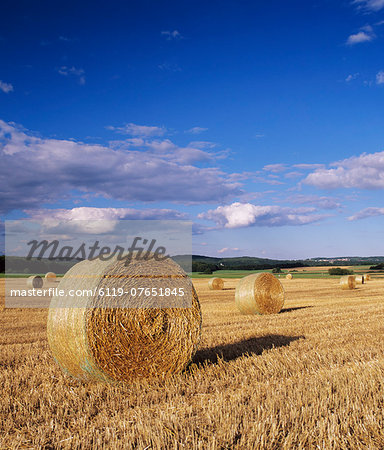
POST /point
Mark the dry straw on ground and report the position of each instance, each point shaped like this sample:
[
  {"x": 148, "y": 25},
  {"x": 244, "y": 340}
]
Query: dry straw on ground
[
  {"x": 260, "y": 293},
  {"x": 360, "y": 279},
  {"x": 216, "y": 284},
  {"x": 348, "y": 282},
  {"x": 35, "y": 281},
  {"x": 289, "y": 276},
  {"x": 309, "y": 378},
  {"x": 126, "y": 337},
  {"x": 50, "y": 276}
]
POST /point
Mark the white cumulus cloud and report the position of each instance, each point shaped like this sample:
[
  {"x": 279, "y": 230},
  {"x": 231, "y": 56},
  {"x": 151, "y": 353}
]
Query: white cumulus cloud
[
  {"x": 228, "y": 249},
  {"x": 133, "y": 129},
  {"x": 365, "y": 34},
  {"x": 92, "y": 213},
  {"x": 370, "y": 5},
  {"x": 352, "y": 77},
  {"x": 275, "y": 168},
  {"x": 238, "y": 215},
  {"x": 72, "y": 71},
  {"x": 364, "y": 172},
  {"x": 308, "y": 166},
  {"x": 6, "y": 87},
  {"x": 37, "y": 171},
  {"x": 98, "y": 220},
  {"x": 367, "y": 212},
  {"x": 196, "y": 130},
  {"x": 322, "y": 202},
  {"x": 170, "y": 35},
  {"x": 380, "y": 77}
]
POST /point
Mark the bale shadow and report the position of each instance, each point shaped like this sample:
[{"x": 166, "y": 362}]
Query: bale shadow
[
  {"x": 296, "y": 308},
  {"x": 251, "y": 346}
]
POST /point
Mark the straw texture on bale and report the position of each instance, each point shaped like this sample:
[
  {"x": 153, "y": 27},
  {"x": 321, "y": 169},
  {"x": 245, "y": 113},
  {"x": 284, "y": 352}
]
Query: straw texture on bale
[
  {"x": 93, "y": 341},
  {"x": 260, "y": 293},
  {"x": 289, "y": 276},
  {"x": 216, "y": 284},
  {"x": 367, "y": 277},
  {"x": 360, "y": 279},
  {"x": 50, "y": 276},
  {"x": 348, "y": 282},
  {"x": 35, "y": 281}
]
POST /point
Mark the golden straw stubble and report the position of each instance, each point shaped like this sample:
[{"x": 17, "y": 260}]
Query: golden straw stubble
[
  {"x": 260, "y": 293},
  {"x": 96, "y": 338},
  {"x": 348, "y": 282},
  {"x": 216, "y": 284}
]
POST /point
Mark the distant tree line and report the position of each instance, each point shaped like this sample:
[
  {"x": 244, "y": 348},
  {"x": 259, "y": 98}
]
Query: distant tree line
[
  {"x": 339, "y": 271},
  {"x": 377, "y": 267},
  {"x": 44, "y": 266},
  {"x": 204, "y": 267},
  {"x": 17, "y": 264}
]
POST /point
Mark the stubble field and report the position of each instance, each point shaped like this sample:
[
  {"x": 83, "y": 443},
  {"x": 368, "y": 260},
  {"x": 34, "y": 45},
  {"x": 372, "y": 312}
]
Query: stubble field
[{"x": 310, "y": 377}]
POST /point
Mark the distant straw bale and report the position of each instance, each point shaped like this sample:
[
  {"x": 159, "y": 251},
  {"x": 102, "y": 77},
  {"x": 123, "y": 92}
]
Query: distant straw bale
[
  {"x": 289, "y": 276},
  {"x": 260, "y": 293},
  {"x": 50, "y": 276},
  {"x": 360, "y": 279},
  {"x": 216, "y": 284},
  {"x": 348, "y": 282},
  {"x": 35, "y": 281}
]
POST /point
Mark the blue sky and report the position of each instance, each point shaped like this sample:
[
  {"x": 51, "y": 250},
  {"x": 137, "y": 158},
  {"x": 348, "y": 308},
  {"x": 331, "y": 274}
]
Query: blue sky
[{"x": 262, "y": 122}]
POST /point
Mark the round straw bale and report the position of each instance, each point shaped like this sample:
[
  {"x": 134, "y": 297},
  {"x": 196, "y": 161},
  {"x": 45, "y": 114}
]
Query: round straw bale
[
  {"x": 121, "y": 338},
  {"x": 35, "y": 281},
  {"x": 50, "y": 276},
  {"x": 367, "y": 277},
  {"x": 348, "y": 282},
  {"x": 289, "y": 276},
  {"x": 260, "y": 293},
  {"x": 216, "y": 284},
  {"x": 360, "y": 279}
]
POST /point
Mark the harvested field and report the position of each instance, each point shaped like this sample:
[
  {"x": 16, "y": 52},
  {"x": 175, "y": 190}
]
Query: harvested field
[{"x": 311, "y": 376}]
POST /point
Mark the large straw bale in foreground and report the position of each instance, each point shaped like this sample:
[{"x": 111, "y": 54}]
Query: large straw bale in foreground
[
  {"x": 348, "y": 282},
  {"x": 35, "y": 281},
  {"x": 260, "y": 293},
  {"x": 360, "y": 279},
  {"x": 96, "y": 338},
  {"x": 216, "y": 284}
]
